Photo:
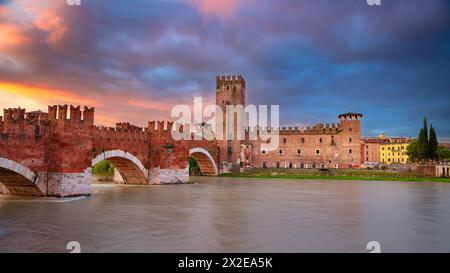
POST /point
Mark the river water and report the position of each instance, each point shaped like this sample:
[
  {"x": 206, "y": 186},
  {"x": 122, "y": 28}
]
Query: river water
[{"x": 234, "y": 215}]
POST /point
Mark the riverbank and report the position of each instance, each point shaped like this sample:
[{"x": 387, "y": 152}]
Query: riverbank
[{"x": 338, "y": 175}]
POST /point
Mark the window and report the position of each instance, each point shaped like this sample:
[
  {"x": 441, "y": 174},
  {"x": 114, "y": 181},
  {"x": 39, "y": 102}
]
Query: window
[
  {"x": 290, "y": 165},
  {"x": 280, "y": 151},
  {"x": 263, "y": 152},
  {"x": 228, "y": 87},
  {"x": 302, "y": 166},
  {"x": 303, "y": 140},
  {"x": 350, "y": 129},
  {"x": 299, "y": 151},
  {"x": 350, "y": 140},
  {"x": 314, "y": 165},
  {"x": 278, "y": 165},
  {"x": 320, "y": 140},
  {"x": 350, "y": 151},
  {"x": 284, "y": 140},
  {"x": 317, "y": 151},
  {"x": 265, "y": 165}
]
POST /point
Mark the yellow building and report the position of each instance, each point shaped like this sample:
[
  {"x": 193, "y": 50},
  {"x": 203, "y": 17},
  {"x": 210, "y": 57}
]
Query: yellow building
[{"x": 394, "y": 153}]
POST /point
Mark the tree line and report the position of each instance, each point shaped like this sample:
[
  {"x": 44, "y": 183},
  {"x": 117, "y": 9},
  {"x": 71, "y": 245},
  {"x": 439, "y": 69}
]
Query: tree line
[{"x": 426, "y": 147}]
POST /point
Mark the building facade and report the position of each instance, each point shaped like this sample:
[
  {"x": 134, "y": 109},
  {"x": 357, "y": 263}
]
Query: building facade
[{"x": 394, "y": 153}]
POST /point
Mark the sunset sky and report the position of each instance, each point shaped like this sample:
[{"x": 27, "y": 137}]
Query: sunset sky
[{"x": 133, "y": 60}]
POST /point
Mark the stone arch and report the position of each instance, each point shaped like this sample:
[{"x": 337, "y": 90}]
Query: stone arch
[
  {"x": 130, "y": 167},
  {"x": 205, "y": 161},
  {"x": 18, "y": 179}
]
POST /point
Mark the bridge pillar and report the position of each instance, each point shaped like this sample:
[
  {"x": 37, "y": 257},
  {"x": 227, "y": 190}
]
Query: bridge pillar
[
  {"x": 68, "y": 184},
  {"x": 169, "y": 176}
]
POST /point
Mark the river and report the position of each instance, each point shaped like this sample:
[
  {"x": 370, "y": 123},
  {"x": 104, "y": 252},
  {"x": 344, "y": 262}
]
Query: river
[{"x": 234, "y": 215}]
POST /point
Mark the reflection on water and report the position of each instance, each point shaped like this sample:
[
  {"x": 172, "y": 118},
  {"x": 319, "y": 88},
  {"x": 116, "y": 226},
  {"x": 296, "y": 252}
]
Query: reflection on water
[{"x": 231, "y": 215}]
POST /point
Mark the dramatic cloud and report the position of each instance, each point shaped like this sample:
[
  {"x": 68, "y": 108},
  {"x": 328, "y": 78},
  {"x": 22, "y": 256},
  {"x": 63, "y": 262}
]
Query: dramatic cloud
[{"x": 134, "y": 60}]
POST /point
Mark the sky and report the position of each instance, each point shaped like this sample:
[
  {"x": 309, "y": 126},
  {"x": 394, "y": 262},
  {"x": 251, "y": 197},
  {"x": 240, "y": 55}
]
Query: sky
[{"x": 134, "y": 60}]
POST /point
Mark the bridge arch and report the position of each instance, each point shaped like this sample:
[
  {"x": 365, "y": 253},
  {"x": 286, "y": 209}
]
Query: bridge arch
[
  {"x": 130, "y": 167},
  {"x": 205, "y": 161},
  {"x": 18, "y": 179}
]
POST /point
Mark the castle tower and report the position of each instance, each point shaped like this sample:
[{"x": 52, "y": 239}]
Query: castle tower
[
  {"x": 350, "y": 139},
  {"x": 230, "y": 91}
]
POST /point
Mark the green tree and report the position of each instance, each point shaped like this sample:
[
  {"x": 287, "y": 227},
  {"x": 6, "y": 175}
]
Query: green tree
[
  {"x": 193, "y": 165},
  {"x": 432, "y": 143},
  {"x": 425, "y": 128},
  {"x": 422, "y": 145},
  {"x": 442, "y": 153},
  {"x": 411, "y": 150},
  {"x": 103, "y": 168}
]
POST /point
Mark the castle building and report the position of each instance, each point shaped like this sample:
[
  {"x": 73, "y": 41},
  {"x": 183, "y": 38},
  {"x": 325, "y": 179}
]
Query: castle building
[{"x": 320, "y": 146}]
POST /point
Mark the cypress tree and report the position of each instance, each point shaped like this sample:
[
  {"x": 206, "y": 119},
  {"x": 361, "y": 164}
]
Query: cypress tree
[
  {"x": 432, "y": 144},
  {"x": 425, "y": 128},
  {"x": 422, "y": 145}
]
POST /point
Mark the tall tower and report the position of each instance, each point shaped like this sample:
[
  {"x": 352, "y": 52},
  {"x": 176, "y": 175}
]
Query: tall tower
[
  {"x": 350, "y": 139},
  {"x": 230, "y": 91}
]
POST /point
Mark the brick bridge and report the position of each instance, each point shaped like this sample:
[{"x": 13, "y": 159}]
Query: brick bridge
[{"x": 52, "y": 154}]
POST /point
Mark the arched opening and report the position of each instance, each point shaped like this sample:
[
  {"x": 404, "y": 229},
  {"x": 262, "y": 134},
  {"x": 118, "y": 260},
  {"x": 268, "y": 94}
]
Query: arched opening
[
  {"x": 18, "y": 179},
  {"x": 206, "y": 164},
  {"x": 131, "y": 169}
]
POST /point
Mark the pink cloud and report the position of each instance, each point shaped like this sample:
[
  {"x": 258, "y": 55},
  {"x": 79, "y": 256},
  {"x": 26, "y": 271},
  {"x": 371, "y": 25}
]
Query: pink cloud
[{"x": 216, "y": 8}]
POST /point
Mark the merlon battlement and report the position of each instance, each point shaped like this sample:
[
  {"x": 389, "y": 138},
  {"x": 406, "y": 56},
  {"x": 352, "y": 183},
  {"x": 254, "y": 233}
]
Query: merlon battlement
[
  {"x": 160, "y": 126},
  {"x": 292, "y": 130},
  {"x": 230, "y": 79},
  {"x": 59, "y": 112},
  {"x": 350, "y": 116}
]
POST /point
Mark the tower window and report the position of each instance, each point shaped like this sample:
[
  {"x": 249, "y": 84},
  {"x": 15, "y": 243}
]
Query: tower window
[
  {"x": 280, "y": 151},
  {"x": 228, "y": 87},
  {"x": 284, "y": 140},
  {"x": 299, "y": 151},
  {"x": 350, "y": 129},
  {"x": 317, "y": 151},
  {"x": 350, "y": 151},
  {"x": 350, "y": 140},
  {"x": 303, "y": 140}
]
